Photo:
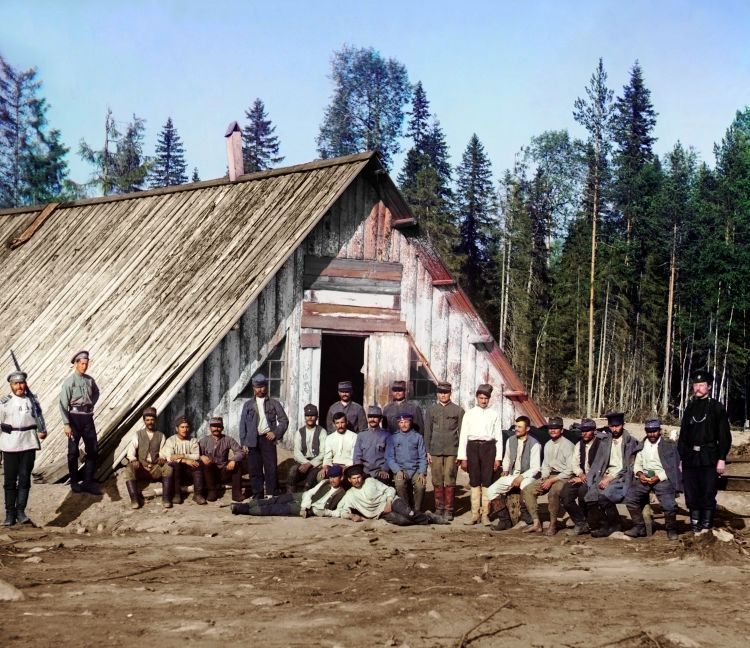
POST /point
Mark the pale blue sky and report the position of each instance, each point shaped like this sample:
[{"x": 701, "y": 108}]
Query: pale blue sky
[{"x": 506, "y": 70}]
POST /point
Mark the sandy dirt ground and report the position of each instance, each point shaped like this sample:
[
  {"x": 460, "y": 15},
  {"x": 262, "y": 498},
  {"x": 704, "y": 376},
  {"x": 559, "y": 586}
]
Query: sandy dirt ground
[{"x": 96, "y": 573}]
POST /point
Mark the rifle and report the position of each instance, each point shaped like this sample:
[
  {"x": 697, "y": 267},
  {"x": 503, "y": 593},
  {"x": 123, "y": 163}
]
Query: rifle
[{"x": 36, "y": 408}]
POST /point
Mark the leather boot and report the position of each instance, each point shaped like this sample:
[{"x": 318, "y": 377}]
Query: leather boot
[
  {"x": 167, "y": 490},
  {"x": 612, "y": 522},
  {"x": 10, "y": 507},
  {"x": 597, "y": 522},
  {"x": 671, "y": 523},
  {"x": 449, "y": 493},
  {"x": 707, "y": 519},
  {"x": 209, "y": 474},
  {"x": 132, "y": 486},
  {"x": 485, "y": 506},
  {"x": 639, "y": 525},
  {"x": 476, "y": 498},
  {"x": 237, "y": 486},
  {"x": 240, "y": 509},
  {"x": 579, "y": 529},
  {"x": 499, "y": 510},
  {"x": 695, "y": 521},
  {"x": 21, "y": 500},
  {"x": 439, "y": 500},
  {"x": 198, "y": 486},
  {"x": 176, "y": 485}
]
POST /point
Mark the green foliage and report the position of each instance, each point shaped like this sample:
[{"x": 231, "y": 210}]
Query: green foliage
[
  {"x": 367, "y": 107},
  {"x": 260, "y": 145},
  {"x": 169, "y": 167}
]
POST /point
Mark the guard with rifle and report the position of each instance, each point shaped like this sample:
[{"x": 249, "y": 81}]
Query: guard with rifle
[{"x": 22, "y": 426}]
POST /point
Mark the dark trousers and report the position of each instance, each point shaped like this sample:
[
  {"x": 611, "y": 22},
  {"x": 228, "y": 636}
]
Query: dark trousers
[
  {"x": 701, "y": 484},
  {"x": 17, "y": 477},
  {"x": 286, "y": 504},
  {"x": 638, "y": 493},
  {"x": 261, "y": 463},
  {"x": 215, "y": 475},
  {"x": 295, "y": 477},
  {"x": 82, "y": 426},
  {"x": 480, "y": 456},
  {"x": 574, "y": 502},
  {"x": 403, "y": 515}
]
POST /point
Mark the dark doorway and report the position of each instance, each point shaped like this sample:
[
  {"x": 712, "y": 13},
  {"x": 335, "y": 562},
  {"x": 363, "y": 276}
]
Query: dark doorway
[{"x": 341, "y": 358}]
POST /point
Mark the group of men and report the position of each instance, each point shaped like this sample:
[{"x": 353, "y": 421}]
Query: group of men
[{"x": 374, "y": 463}]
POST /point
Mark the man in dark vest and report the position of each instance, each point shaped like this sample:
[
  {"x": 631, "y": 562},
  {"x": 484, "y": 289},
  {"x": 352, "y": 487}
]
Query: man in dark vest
[
  {"x": 656, "y": 470},
  {"x": 144, "y": 461},
  {"x": 369, "y": 448},
  {"x": 610, "y": 475},
  {"x": 573, "y": 496},
  {"x": 321, "y": 500},
  {"x": 78, "y": 396},
  {"x": 263, "y": 422},
  {"x": 307, "y": 449},
  {"x": 399, "y": 405},
  {"x": 705, "y": 441},
  {"x": 356, "y": 421}
]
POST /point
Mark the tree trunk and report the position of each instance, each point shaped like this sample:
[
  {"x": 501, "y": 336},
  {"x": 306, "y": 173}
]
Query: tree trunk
[
  {"x": 592, "y": 278},
  {"x": 668, "y": 345}
]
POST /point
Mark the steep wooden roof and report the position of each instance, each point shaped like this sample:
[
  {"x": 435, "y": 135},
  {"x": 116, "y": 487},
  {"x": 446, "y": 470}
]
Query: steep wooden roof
[{"x": 149, "y": 283}]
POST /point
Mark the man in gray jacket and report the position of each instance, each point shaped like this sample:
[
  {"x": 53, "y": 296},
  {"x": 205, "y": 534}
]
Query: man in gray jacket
[{"x": 610, "y": 475}]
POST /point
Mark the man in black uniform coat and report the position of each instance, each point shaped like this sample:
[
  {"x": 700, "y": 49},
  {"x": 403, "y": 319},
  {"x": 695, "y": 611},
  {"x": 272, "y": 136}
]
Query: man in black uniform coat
[{"x": 703, "y": 445}]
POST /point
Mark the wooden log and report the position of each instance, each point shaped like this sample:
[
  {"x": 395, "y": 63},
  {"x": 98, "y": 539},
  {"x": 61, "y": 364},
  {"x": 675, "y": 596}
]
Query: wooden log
[{"x": 353, "y": 324}]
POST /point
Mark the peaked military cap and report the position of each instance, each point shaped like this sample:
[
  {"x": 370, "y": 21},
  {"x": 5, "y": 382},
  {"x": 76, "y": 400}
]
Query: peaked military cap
[
  {"x": 311, "y": 410},
  {"x": 374, "y": 410},
  {"x": 216, "y": 421},
  {"x": 652, "y": 425},
  {"x": 345, "y": 386},
  {"x": 587, "y": 425},
  {"x": 17, "y": 377},
  {"x": 398, "y": 385},
  {"x": 404, "y": 416},
  {"x": 485, "y": 389},
  {"x": 444, "y": 388},
  {"x": 335, "y": 471},
  {"x": 80, "y": 355},
  {"x": 555, "y": 423},
  {"x": 701, "y": 376}
]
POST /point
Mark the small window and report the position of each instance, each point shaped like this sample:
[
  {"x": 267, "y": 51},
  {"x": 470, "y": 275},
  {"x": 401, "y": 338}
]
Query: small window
[
  {"x": 273, "y": 369},
  {"x": 422, "y": 386}
]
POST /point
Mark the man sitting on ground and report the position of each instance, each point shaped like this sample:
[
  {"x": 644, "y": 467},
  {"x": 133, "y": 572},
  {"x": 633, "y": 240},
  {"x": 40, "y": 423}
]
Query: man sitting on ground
[
  {"x": 369, "y": 450},
  {"x": 183, "y": 458},
  {"x": 339, "y": 446},
  {"x": 218, "y": 468},
  {"x": 308, "y": 450},
  {"x": 144, "y": 460}
]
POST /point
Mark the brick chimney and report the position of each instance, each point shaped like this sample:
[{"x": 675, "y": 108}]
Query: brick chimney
[{"x": 234, "y": 151}]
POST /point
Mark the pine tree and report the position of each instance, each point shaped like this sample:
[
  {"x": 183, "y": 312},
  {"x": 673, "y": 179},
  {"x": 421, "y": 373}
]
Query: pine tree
[
  {"x": 195, "y": 177},
  {"x": 32, "y": 158},
  {"x": 418, "y": 126},
  {"x": 475, "y": 211},
  {"x": 169, "y": 167},
  {"x": 260, "y": 145},
  {"x": 367, "y": 107}
]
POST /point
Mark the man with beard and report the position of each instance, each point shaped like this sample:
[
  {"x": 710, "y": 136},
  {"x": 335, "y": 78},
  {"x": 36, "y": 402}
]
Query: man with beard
[
  {"x": 308, "y": 449},
  {"x": 610, "y": 475},
  {"x": 218, "y": 468},
  {"x": 399, "y": 405},
  {"x": 369, "y": 449},
  {"x": 182, "y": 453},
  {"x": 356, "y": 421},
  {"x": 144, "y": 461},
  {"x": 656, "y": 470},
  {"x": 573, "y": 495},
  {"x": 705, "y": 440}
]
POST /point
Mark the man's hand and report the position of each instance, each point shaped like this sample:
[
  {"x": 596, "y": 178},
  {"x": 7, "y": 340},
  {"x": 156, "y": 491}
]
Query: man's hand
[
  {"x": 517, "y": 482},
  {"x": 303, "y": 468},
  {"x": 422, "y": 479},
  {"x": 190, "y": 462},
  {"x": 463, "y": 464},
  {"x": 577, "y": 480},
  {"x": 231, "y": 465},
  {"x": 135, "y": 464},
  {"x": 68, "y": 431},
  {"x": 324, "y": 471},
  {"x": 643, "y": 479},
  {"x": 161, "y": 461},
  {"x": 497, "y": 464},
  {"x": 303, "y": 513},
  {"x": 270, "y": 436},
  {"x": 604, "y": 483},
  {"x": 354, "y": 517},
  {"x": 400, "y": 475},
  {"x": 206, "y": 461},
  {"x": 721, "y": 466},
  {"x": 388, "y": 506},
  {"x": 382, "y": 474},
  {"x": 429, "y": 458},
  {"x": 505, "y": 473},
  {"x": 42, "y": 436},
  {"x": 546, "y": 484}
]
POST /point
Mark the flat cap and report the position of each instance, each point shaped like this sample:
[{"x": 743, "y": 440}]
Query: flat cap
[
  {"x": 345, "y": 386},
  {"x": 79, "y": 355},
  {"x": 555, "y": 423},
  {"x": 149, "y": 411},
  {"x": 335, "y": 471},
  {"x": 216, "y": 421},
  {"x": 374, "y": 410},
  {"x": 356, "y": 469},
  {"x": 17, "y": 377},
  {"x": 587, "y": 425},
  {"x": 701, "y": 376},
  {"x": 485, "y": 389},
  {"x": 444, "y": 388},
  {"x": 652, "y": 425},
  {"x": 311, "y": 410},
  {"x": 398, "y": 385},
  {"x": 259, "y": 380}
]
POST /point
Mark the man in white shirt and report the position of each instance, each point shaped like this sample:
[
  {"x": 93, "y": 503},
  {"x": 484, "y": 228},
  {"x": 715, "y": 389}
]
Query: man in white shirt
[
  {"x": 339, "y": 446},
  {"x": 308, "y": 449},
  {"x": 182, "y": 453},
  {"x": 144, "y": 460},
  {"x": 656, "y": 470},
  {"x": 480, "y": 451}
]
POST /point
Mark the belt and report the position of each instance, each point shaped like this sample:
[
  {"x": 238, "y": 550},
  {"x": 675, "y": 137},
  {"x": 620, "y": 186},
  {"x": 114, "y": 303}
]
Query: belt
[
  {"x": 8, "y": 430},
  {"x": 482, "y": 440},
  {"x": 81, "y": 409},
  {"x": 554, "y": 472}
]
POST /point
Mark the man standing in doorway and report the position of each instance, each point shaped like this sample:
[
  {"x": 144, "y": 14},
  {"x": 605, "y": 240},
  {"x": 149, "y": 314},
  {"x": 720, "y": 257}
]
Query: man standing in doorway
[{"x": 356, "y": 421}]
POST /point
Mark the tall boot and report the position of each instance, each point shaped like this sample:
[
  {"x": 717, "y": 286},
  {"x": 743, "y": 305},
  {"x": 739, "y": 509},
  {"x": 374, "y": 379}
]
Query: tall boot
[
  {"x": 209, "y": 474},
  {"x": 485, "y": 506},
  {"x": 237, "y": 486},
  {"x": 671, "y": 523},
  {"x": 176, "y": 485},
  {"x": 707, "y": 518},
  {"x": 499, "y": 511},
  {"x": 132, "y": 486},
  {"x": 639, "y": 525},
  {"x": 198, "y": 486},
  {"x": 21, "y": 500},
  {"x": 695, "y": 521},
  {"x": 612, "y": 521},
  {"x": 439, "y": 493},
  {"x": 167, "y": 490},
  {"x": 476, "y": 499},
  {"x": 10, "y": 506},
  {"x": 449, "y": 493},
  {"x": 597, "y": 521}
]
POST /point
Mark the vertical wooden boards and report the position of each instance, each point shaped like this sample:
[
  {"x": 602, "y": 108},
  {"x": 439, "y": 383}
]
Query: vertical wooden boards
[
  {"x": 439, "y": 336},
  {"x": 409, "y": 263},
  {"x": 422, "y": 330},
  {"x": 388, "y": 360}
]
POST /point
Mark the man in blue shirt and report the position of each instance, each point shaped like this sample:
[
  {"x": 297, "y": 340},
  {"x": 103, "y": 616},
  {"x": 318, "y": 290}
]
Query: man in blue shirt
[
  {"x": 369, "y": 450},
  {"x": 406, "y": 457}
]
